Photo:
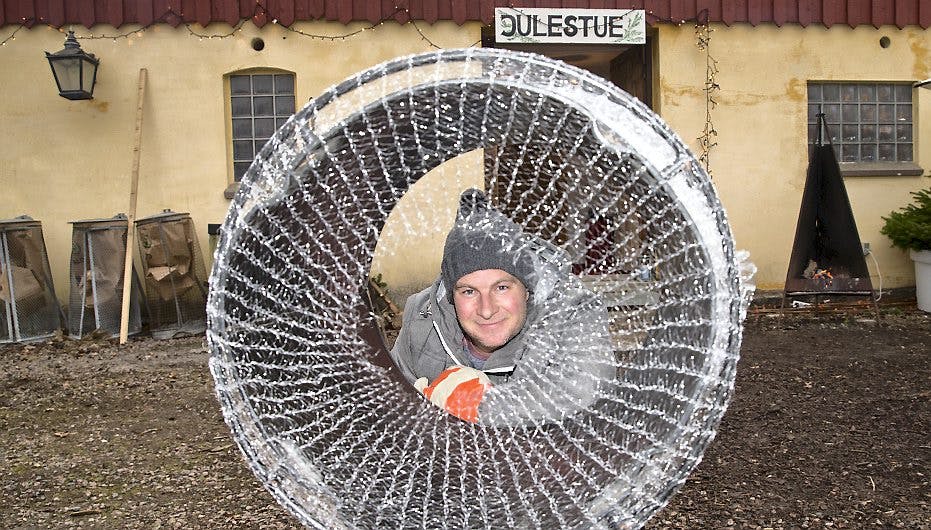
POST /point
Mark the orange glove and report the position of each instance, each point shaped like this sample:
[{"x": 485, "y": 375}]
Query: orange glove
[{"x": 458, "y": 390}]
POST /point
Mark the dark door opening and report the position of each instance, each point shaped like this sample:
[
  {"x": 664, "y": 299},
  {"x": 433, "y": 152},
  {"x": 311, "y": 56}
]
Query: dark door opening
[{"x": 630, "y": 67}]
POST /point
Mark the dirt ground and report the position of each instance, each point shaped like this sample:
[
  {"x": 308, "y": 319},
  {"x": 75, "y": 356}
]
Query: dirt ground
[{"x": 829, "y": 427}]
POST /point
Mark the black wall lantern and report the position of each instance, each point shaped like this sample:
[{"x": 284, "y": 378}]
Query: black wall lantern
[{"x": 75, "y": 70}]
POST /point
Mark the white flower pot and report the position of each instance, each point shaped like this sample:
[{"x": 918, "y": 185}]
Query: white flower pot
[{"x": 922, "y": 259}]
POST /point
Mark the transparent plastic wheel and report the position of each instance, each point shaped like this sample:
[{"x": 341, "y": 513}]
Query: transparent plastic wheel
[{"x": 332, "y": 431}]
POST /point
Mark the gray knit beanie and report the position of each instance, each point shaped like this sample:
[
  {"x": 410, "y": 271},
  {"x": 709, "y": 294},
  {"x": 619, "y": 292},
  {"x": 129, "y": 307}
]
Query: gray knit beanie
[{"x": 483, "y": 238}]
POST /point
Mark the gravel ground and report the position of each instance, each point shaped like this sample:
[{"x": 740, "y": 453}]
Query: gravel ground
[{"x": 829, "y": 428}]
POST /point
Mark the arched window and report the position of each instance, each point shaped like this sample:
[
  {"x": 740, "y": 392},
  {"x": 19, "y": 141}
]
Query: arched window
[{"x": 260, "y": 101}]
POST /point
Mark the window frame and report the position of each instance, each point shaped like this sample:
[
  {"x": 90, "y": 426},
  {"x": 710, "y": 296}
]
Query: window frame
[
  {"x": 862, "y": 167},
  {"x": 231, "y": 160}
]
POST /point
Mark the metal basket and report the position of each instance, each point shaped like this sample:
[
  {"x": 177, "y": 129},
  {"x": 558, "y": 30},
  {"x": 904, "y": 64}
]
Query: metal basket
[
  {"x": 175, "y": 277},
  {"x": 29, "y": 309},
  {"x": 98, "y": 253}
]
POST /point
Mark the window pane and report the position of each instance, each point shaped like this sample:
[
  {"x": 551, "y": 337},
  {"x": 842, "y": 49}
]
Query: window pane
[
  {"x": 886, "y": 152},
  {"x": 812, "y": 133},
  {"x": 832, "y": 113},
  {"x": 239, "y": 169},
  {"x": 867, "y": 93},
  {"x": 903, "y": 133},
  {"x": 262, "y": 84},
  {"x": 284, "y": 105},
  {"x": 886, "y": 113},
  {"x": 831, "y": 92},
  {"x": 241, "y": 106},
  {"x": 814, "y": 92},
  {"x": 263, "y": 106},
  {"x": 813, "y": 111},
  {"x": 242, "y": 150},
  {"x": 904, "y": 152},
  {"x": 850, "y": 133},
  {"x": 284, "y": 84},
  {"x": 868, "y": 152},
  {"x": 279, "y": 122},
  {"x": 868, "y": 113},
  {"x": 239, "y": 84},
  {"x": 903, "y": 93},
  {"x": 849, "y": 152},
  {"x": 242, "y": 128},
  {"x": 884, "y": 93},
  {"x": 868, "y": 133},
  {"x": 848, "y": 93},
  {"x": 903, "y": 113},
  {"x": 264, "y": 127},
  {"x": 886, "y": 133},
  {"x": 851, "y": 114}
]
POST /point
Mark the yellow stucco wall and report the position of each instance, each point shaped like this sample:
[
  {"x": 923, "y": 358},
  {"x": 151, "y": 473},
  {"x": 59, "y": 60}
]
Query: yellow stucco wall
[
  {"x": 760, "y": 160},
  {"x": 66, "y": 160},
  {"x": 63, "y": 160},
  {"x": 410, "y": 248}
]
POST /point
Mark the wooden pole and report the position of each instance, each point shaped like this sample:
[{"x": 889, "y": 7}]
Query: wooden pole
[{"x": 131, "y": 215}]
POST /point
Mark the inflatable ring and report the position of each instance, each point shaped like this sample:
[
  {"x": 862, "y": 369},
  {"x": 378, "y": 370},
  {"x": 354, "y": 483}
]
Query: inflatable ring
[{"x": 328, "y": 426}]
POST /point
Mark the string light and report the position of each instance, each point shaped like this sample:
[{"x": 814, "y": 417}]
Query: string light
[
  {"x": 706, "y": 140},
  {"x": 12, "y": 36},
  {"x": 257, "y": 14},
  {"x": 702, "y": 33}
]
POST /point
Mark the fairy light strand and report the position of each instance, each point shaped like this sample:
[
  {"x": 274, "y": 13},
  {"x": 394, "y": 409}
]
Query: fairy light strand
[
  {"x": 259, "y": 12},
  {"x": 706, "y": 141},
  {"x": 12, "y": 36},
  {"x": 703, "y": 32}
]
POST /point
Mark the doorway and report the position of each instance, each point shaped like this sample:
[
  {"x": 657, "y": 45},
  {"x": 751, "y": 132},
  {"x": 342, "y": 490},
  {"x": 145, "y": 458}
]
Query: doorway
[{"x": 631, "y": 68}]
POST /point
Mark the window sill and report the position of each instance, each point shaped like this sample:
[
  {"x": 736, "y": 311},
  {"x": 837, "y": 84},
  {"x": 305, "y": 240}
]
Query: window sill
[
  {"x": 880, "y": 169},
  {"x": 231, "y": 190}
]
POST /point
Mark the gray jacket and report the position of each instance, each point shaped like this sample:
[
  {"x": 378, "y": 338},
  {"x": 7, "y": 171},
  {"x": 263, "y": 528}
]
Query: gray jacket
[{"x": 557, "y": 364}]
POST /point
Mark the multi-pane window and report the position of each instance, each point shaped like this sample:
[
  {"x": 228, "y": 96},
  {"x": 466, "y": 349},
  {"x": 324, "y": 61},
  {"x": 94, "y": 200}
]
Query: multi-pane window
[
  {"x": 259, "y": 103},
  {"x": 868, "y": 122}
]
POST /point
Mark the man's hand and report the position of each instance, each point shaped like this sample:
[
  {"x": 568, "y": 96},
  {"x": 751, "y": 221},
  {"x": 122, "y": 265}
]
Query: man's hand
[{"x": 457, "y": 390}]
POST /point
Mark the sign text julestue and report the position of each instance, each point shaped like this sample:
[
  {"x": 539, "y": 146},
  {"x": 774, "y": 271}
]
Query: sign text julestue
[{"x": 590, "y": 26}]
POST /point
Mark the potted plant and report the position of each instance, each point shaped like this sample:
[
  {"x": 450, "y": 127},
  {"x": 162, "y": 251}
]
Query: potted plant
[{"x": 910, "y": 229}]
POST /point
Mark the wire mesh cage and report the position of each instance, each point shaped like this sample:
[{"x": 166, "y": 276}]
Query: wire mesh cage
[
  {"x": 174, "y": 272},
  {"x": 28, "y": 307},
  {"x": 98, "y": 253}
]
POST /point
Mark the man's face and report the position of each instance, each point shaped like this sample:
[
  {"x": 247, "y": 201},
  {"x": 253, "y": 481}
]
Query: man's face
[{"x": 491, "y": 306}]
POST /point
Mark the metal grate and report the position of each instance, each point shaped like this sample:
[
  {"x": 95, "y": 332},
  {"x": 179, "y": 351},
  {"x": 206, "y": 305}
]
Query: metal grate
[
  {"x": 28, "y": 307},
  {"x": 175, "y": 277},
  {"x": 98, "y": 251}
]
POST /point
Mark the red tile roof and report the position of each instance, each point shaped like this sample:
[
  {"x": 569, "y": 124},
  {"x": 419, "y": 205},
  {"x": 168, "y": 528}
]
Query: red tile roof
[{"x": 87, "y": 13}]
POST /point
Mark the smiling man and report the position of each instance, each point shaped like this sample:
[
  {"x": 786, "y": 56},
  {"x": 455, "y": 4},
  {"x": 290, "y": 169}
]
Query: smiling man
[
  {"x": 505, "y": 309},
  {"x": 491, "y": 306},
  {"x": 464, "y": 332}
]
